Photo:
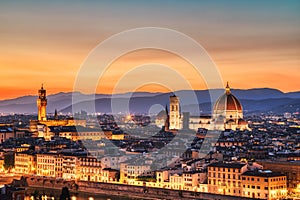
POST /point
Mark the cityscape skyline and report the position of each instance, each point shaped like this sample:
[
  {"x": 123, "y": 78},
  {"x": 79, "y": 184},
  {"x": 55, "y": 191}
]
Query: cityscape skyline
[
  {"x": 149, "y": 100},
  {"x": 249, "y": 157},
  {"x": 254, "y": 45}
]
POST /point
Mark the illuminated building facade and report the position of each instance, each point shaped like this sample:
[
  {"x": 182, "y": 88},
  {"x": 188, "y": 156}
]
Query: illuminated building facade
[
  {"x": 109, "y": 175},
  {"x": 130, "y": 171},
  {"x": 25, "y": 162},
  {"x": 227, "y": 114},
  {"x": 70, "y": 167},
  {"x": 76, "y": 132},
  {"x": 176, "y": 181},
  {"x": 40, "y": 126},
  {"x": 264, "y": 185},
  {"x": 174, "y": 113},
  {"x": 290, "y": 169},
  {"x": 192, "y": 179},
  {"x": 225, "y": 178},
  {"x": 162, "y": 177},
  {"x": 47, "y": 165},
  {"x": 90, "y": 169}
]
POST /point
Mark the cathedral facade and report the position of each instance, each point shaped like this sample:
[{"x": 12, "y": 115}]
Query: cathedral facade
[{"x": 227, "y": 114}]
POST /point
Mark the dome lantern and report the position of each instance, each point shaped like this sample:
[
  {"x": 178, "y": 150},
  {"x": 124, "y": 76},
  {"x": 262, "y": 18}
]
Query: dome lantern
[{"x": 227, "y": 89}]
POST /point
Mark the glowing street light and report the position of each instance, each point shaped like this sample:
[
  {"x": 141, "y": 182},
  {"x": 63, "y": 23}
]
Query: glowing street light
[{"x": 73, "y": 198}]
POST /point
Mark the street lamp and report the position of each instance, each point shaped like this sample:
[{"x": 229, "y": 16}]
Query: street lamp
[{"x": 73, "y": 197}]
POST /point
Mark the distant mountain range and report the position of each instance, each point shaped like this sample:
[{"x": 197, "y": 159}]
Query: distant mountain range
[{"x": 253, "y": 101}]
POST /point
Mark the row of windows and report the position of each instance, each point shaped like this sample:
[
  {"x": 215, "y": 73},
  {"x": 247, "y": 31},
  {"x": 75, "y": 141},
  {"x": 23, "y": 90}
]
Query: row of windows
[
  {"x": 228, "y": 183},
  {"x": 96, "y": 178},
  {"x": 253, "y": 187},
  {"x": 253, "y": 194},
  {"x": 45, "y": 160},
  {"x": 139, "y": 172},
  {"x": 42, "y": 172},
  {"x": 221, "y": 175},
  {"x": 277, "y": 179},
  {"x": 80, "y": 134},
  {"x": 277, "y": 187},
  {"x": 135, "y": 167},
  {"x": 90, "y": 171},
  {"x": 21, "y": 159},
  {"x": 21, "y": 166},
  {"x": 265, "y": 179},
  {"x": 90, "y": 164},
  {"x": 225, "y": 169},
  {"x": 45, "y": 167},
  {"x": 234, "y": 191}
]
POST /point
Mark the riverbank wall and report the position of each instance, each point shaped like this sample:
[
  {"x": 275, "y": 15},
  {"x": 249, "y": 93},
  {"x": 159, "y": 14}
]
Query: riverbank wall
[{"x": 123, "y": 190}]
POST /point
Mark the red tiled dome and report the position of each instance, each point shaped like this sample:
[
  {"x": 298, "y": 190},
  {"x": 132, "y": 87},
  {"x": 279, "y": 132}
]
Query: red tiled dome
[{"x": 228, "y": 102}]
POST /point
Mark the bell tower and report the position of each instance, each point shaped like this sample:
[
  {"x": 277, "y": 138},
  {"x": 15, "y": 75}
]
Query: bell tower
[
  {"x": 42, "y": 104},
  {"x": 174, "y": 112}
]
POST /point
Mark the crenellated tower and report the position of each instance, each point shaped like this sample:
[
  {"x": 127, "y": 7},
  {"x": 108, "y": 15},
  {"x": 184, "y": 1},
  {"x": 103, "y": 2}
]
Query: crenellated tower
[{"x": 42, "y": 104}]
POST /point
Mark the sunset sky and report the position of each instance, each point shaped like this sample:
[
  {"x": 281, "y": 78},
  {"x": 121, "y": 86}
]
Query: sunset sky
[{"x": 254, "y": 44}]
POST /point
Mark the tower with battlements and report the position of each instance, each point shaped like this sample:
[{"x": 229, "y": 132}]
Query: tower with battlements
[{"x": 42, "y": 104}]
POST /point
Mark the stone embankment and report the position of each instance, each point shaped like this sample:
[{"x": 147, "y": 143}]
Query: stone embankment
[{"x": 121, "y": 189}]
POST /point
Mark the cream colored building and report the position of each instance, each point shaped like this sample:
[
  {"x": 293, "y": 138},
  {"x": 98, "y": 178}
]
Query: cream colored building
[
  {"x": 189, "y": 180},
  {"x": 25, "y": 163},
  {"x": 46, "y": 164},
  {"x": 225, "y": 178},
  {"x": 176, "y": 182},
  {"x": 109, "y": 175},
  {"x": 264, "y": 184},
  {"x": 193, "y": 179},
  {"x": 59, "y": 166},
  {"x": 90, "y": 169},
  {"x": 290, "y": 169},
  {"x": 129, "y": 172},
  {"x": 70, "y": 168},
  {"x": 162, "y": 177}
]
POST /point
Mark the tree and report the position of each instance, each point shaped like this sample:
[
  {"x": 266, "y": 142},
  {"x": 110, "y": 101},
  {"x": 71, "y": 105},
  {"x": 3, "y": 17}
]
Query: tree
[
  {"x": 9, "y": 161},
  {"x": 35, "y": 194},
  {"x": 65, "y": 194}
]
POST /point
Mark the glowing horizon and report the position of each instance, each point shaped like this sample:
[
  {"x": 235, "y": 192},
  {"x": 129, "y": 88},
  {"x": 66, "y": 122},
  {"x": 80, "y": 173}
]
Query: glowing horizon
[{"x": 254, "y": 44}]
